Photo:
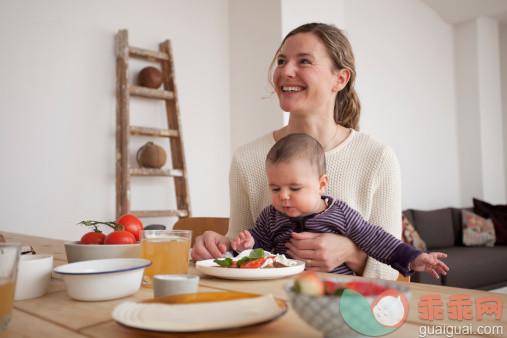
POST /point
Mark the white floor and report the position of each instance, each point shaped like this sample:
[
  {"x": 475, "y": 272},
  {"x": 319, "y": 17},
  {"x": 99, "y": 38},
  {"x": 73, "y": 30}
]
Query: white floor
[{"x": 501, "y": 290}]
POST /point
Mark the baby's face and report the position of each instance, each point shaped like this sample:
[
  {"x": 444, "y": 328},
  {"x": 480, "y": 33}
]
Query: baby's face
[{"x": 296, "y": 187}]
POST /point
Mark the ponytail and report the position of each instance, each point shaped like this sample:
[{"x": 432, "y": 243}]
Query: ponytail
[{"x": 347, "y": 108}]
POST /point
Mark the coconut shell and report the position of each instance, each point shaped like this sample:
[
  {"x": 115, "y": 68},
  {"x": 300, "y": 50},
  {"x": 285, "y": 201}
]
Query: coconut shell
[
  {"x": 150, "y": 77},
  {"x": 151, "y": 156}
]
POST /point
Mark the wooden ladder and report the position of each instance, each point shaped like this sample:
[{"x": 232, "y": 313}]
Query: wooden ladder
[{"x": 124, "y": 129}]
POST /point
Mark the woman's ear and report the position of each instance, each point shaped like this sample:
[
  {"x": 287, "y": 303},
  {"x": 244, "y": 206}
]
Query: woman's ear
[
  {"x": 323, "y": 181},
  {"x": 342, "y": 78}
]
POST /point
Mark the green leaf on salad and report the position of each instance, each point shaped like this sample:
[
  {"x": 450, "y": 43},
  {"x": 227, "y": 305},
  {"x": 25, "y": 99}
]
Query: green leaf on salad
[
  {"x": 256, "y": 254},
  {"x": 225, "y": 262}
]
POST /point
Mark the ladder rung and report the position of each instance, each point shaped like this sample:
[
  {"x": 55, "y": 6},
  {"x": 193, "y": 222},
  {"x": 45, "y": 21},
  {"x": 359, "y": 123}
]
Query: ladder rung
[
  {"x": 160, "y": 213},
  {"x": 151, "y": 93},
  {"x": 156, "y": 172},
  {"x": 154, "y": 131},
  {"x": 148, "y": 54}
]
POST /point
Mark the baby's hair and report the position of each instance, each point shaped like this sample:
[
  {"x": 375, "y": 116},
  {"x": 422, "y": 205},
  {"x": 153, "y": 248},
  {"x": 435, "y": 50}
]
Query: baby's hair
[{"x": 301, "y": 146}]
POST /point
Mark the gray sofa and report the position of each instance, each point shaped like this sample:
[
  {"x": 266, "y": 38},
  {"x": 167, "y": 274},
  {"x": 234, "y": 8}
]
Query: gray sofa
[{"x": 483, "y": 268}]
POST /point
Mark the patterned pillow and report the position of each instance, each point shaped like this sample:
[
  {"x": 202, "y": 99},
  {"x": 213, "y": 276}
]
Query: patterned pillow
[
  {"x": 477, "y": 231},
  {"x": 410, "y": 235},
  {"x": 498, "y": 214}
]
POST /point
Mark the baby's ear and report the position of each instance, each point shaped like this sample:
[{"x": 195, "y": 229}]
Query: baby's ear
[{"x": 323, "y": 181}]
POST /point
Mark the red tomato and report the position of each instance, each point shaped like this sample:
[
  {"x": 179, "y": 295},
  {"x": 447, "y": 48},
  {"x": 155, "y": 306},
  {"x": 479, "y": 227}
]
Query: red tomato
[
  {"x": 253, "y": 264},
  {"x": 131, "y": 224},
  {"x": 120, "y": 237},
  {"x": 93, "y": 238}
]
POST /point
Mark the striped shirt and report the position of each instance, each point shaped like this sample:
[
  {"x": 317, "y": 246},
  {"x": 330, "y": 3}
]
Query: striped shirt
[{"x": 273, "y": 229}]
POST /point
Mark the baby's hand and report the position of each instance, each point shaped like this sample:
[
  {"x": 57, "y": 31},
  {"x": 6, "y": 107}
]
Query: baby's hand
[
  {"x": 243, "y": 241},
  {"x": 430, "y": 263}
]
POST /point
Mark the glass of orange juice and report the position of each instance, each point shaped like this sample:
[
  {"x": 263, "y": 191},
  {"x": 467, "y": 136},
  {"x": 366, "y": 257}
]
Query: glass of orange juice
[
  {"x": 168, "y": 250},
  {"x": 9, "y": 256}
]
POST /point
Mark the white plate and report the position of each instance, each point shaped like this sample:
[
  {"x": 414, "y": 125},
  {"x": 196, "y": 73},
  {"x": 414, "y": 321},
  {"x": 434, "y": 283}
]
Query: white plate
[
  {"x": 208, "y": 267},
  {"x": 200, "y": 312}
]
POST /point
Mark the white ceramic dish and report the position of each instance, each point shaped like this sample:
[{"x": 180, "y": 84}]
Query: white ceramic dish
[
  {"x": 103, "y": 279},
  {"x": 201, "y": 312},
  {"x": 208, "y": 267},
  {"x": 82, "y": 252},
  {"x": 167, "y": 285},
  {"x": 34, "y": 275}
]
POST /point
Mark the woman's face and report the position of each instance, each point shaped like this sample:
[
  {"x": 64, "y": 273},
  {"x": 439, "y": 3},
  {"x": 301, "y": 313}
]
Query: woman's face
[{"x": 305, "y": 79}]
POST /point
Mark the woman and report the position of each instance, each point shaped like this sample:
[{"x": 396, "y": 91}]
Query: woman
[{"x": 314, "y": 81}]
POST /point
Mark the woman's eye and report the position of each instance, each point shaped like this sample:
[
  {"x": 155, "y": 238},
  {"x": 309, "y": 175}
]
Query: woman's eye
[
  {"x": 280, "y": 62},
  {"x": 305, "y": 61}
]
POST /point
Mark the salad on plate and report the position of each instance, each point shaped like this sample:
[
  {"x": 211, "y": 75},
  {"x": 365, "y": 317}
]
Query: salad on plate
[
  {"x": 254, "y": 264},
  {"x": 256, "y": 259}
]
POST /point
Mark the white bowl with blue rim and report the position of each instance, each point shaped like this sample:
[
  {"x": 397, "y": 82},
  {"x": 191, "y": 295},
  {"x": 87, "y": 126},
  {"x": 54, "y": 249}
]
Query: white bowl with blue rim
[{"x": 103, "y": 279}]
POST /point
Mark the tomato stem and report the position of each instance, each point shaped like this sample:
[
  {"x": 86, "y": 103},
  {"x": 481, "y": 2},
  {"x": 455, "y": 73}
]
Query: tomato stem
[
  {"x": 119, "y": 227},
  {"x": 94, "y": 224}
]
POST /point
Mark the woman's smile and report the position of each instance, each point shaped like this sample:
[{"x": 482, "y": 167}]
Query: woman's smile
[{"x": 304, "y": 76}]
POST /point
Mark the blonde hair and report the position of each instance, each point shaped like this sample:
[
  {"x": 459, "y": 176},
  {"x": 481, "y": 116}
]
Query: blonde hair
[{"x": 347, "y": 106}]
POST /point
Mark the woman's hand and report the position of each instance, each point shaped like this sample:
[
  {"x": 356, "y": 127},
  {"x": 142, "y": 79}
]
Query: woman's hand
[
  {"x": 210, "y": 245},
  {"x": 324, "y": 251}
]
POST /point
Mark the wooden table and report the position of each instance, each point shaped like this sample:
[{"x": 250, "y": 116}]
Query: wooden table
[{"x": 57, "y": 315}]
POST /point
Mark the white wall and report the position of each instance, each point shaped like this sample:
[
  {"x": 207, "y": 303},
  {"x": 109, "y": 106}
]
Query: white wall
[
  {"x": 255, "y": 31},
  {"x": 297, "y": 12},
  {"x": 405, "y": 63},
  {"x": 503, "y": 85},
  {"x": 467, "y": 101},
  {"x": 481, "y": 133},
  {"x": 57, "y": 108},
  {"x": 488, "y": 48}
]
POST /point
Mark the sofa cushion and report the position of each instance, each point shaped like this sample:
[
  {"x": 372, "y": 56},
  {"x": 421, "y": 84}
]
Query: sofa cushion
[
  {"x": 475, "y": 267},
  {"x": 410, "y": 235},
  {"x": 498, "y": 213},
  {"x": 435, "y": 227},
  {"x": 477, "y": 231}
]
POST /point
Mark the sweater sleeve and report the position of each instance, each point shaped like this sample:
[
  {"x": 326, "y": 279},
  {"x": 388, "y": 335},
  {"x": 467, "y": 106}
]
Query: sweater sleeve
[
  {"x": 240, "y": 218},
  {"x": 261, "y": 231},
  {"x": 378, "y": 243},
  {"x": 386, "y": 209}
]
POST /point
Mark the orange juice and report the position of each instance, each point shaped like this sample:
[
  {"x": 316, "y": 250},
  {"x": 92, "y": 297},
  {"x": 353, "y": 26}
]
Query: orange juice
[
  {"x": 6, "y": 299},
  {"x": 169, "y": 255}
]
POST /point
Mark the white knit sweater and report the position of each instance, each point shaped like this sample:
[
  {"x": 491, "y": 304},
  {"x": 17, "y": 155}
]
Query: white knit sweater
[{"x": 363, "y": 172}]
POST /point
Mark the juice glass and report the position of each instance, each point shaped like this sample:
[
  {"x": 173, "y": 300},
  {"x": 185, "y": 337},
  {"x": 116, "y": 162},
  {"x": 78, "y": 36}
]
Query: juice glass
[
  {"x": 168, "y": 250},
  {"x": 9, "y": 256}
]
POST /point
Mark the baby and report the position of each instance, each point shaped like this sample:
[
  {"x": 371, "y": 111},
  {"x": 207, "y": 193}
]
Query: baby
[{"x": 296, "y": 170}]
